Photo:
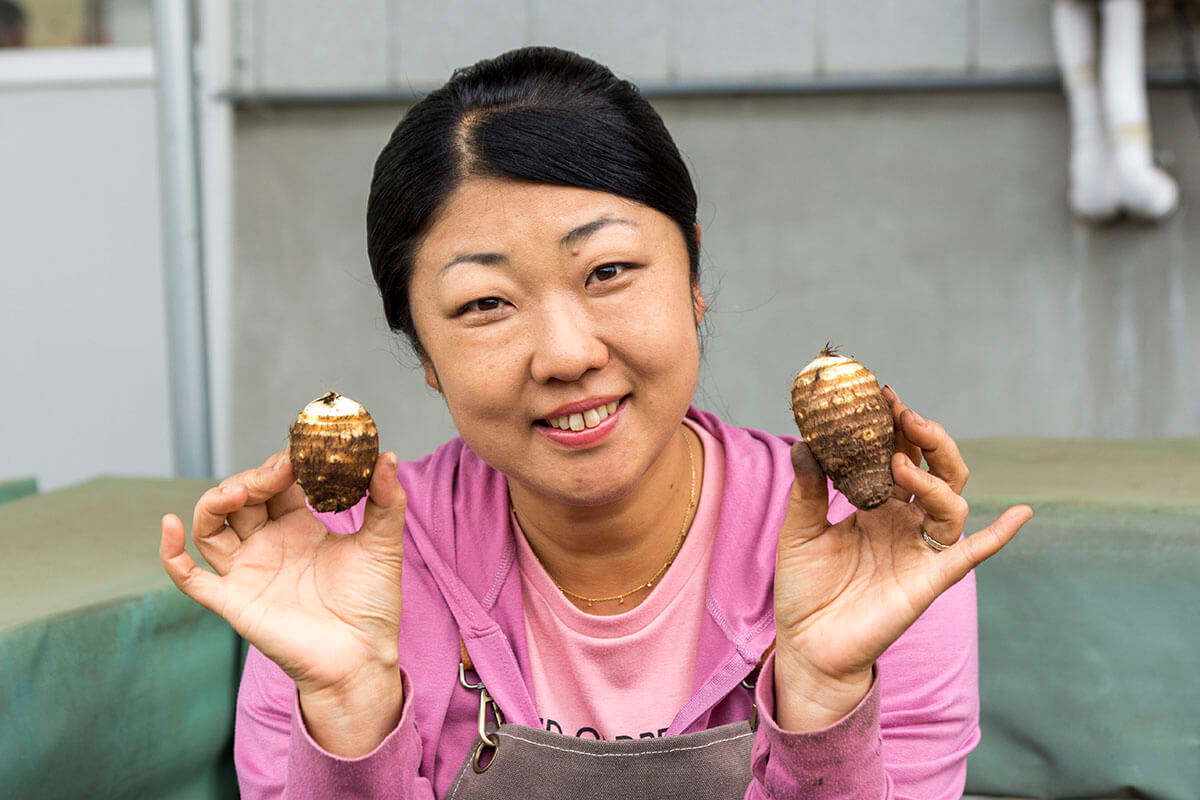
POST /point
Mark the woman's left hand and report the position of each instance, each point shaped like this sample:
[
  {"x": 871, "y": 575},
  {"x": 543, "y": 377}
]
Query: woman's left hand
[{"x": 845, "y": 592}]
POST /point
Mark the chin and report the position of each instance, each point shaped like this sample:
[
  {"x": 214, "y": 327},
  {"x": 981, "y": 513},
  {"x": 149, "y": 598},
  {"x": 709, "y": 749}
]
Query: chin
[{"x": 579, "y": 490}]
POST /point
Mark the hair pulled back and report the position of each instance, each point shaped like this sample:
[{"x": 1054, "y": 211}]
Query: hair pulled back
[{"x": 534, "y": 114}]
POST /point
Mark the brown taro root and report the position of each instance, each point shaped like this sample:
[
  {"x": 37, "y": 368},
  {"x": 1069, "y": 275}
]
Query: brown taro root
[
  {"x": 333, "y": 448},
  {"x": 843, "y": 417}
]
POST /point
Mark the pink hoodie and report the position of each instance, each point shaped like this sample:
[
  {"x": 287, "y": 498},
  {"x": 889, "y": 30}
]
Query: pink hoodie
[{"x": 909, "y": 738}]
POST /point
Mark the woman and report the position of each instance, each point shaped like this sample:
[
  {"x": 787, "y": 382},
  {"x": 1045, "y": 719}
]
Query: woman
[{"x": 594, "y": 560}]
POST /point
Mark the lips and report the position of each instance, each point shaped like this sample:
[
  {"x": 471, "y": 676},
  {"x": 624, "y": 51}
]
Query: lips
[{"x": 583, "y": 424}]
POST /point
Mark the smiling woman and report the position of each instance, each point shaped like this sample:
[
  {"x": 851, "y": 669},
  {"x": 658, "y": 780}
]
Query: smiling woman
[{"x": 641, "y": 591}]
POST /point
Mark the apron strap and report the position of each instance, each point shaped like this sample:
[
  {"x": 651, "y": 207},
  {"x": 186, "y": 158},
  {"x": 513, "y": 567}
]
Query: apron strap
[
  {"x": 770, "y": 649},
  {"x": 466, "y": 657}
]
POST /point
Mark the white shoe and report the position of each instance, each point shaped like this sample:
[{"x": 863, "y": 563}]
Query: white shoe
[
  {"x": 1146, "y": 191},
  {"x": 1094, "y": 192}
]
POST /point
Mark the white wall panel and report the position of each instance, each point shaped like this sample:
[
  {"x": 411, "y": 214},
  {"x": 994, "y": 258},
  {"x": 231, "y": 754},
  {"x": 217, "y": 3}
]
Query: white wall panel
[
  {"x": 719, "y": 39},
  {"x": 1014, "y": 35},
  {"x": 431, "y": 40},
  {"x": 630, "y": 36},
  {"x": 81, "y": 289},
  {"x": 895, "y": 35},
  {"x": 318, "y": 45}
]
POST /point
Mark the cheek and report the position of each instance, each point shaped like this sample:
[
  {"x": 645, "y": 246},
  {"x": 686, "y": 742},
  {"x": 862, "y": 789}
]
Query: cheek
[
  {"x": 479, "y": 379},
  {"x": 659, "y": 336}
]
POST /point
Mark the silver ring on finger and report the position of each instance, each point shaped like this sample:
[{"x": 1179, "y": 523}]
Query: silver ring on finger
[{"x": 933, "y": 543}]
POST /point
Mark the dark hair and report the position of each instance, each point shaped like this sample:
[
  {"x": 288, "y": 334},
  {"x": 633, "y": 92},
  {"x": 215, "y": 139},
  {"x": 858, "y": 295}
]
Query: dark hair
[{"x": 534, "y": 114}]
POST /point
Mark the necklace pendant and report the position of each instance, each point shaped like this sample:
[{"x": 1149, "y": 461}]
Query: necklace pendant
[
  {"x": 620, "y": 601},
  {"x": 589, "y": 603}
]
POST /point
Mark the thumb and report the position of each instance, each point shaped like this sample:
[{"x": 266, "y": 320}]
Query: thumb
[
  {"x": 808, "y": 505},
  {"x": 383, "y": 516}
]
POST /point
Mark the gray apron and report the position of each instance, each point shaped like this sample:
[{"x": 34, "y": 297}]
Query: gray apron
[{"x": 516, "y": 761}]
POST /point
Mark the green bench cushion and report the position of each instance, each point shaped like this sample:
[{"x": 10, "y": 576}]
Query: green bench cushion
[
  {"x": 1089, "y": 640},
  {"x": 112, "y": 683}
]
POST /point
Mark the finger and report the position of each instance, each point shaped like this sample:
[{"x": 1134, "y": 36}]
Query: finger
[
  {"x": 198, "y": 584},
  {"x": 945, "y": 510},
  {"x": 383, "y": 515},
  {"x": 808, "y": 504},
  {"x": 212, "y": 509},
  {"x": 982, "y": 545},
  {"x": 903, "y": 445},
  {"x": 262, "y": 485},
  {"x": 940, "y": 451},
  {"x": 220, "y": 549},
  {"x": 291, "y": 498}
]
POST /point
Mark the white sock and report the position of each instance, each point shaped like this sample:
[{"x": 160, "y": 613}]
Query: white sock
[
  {"x": 1093, "y": 184},
  {"x": 1145, "y": 190}
]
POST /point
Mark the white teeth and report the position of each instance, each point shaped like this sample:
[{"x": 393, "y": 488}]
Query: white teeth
[{"x": 588, "y": 419}]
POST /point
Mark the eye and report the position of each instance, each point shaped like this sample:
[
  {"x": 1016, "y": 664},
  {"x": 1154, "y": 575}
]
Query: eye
[
  {"x": 483, "y": 305},
  {"x": 606, "y": 272}
]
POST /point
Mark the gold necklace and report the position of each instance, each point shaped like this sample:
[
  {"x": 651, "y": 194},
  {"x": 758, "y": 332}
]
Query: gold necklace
[{"x": 683, "y": 531}]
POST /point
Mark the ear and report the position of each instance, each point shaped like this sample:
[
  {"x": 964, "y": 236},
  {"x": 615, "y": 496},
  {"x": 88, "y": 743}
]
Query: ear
[
  {"x": 699, "y": 304},
  {"x": 431, "y": 378}
]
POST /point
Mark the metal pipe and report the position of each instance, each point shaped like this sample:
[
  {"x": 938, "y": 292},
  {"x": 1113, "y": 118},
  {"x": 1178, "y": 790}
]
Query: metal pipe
[
  {"x": 181, "y": 233},
  {"x": 737, "y": 87}
]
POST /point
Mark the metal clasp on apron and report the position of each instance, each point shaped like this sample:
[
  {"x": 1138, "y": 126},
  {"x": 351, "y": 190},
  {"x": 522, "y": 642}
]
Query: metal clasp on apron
[
  {"x": 750, "y": 682},
  {"x": 488, "y": 742}
]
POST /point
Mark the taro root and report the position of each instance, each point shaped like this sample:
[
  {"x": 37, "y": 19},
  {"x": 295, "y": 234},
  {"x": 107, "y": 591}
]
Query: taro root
[
  {"x": 333, "y": 448},
  {"x": 843, "y": 417}
]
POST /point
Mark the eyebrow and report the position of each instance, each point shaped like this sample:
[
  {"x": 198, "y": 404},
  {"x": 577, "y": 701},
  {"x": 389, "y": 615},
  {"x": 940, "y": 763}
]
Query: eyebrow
[
  {"x": 584, "y": 231},
  {"x": 573, "y": 237},
  {"x": 486, "y": 259}
]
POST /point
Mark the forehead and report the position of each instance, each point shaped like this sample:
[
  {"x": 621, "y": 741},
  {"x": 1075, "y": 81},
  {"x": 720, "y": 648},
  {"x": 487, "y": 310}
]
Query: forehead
[{"x": 490, "y": 212}]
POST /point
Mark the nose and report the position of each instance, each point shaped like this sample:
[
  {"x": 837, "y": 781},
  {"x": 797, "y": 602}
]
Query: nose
[{"x": 566, "y": 343}]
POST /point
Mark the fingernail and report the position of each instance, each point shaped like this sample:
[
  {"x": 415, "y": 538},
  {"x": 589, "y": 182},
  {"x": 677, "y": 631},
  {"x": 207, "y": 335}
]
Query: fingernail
[
  {"x": 917, "y": 418},
  {"x": 226, "y": 489}
]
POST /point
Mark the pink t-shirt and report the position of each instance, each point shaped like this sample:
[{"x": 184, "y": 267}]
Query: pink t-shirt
[{"x": 618, "y": 677}]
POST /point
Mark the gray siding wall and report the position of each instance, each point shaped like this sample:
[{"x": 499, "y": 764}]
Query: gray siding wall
[
  {"x": 926, "y": 233},
  {"x": 372, "y": 45}
]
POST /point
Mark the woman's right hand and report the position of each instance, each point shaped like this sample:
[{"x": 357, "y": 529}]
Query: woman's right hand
[{"x": 325, "y": 607}]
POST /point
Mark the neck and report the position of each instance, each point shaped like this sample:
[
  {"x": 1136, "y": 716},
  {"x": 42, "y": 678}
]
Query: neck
[{"x": 607, "y": 550}]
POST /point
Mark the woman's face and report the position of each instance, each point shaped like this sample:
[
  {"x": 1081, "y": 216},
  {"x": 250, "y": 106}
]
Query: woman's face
[{"x": 545, "y": 307}]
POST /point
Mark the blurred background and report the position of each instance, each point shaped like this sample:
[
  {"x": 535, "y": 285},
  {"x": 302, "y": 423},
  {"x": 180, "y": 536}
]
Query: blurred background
[{"x": 182, "y": 196}]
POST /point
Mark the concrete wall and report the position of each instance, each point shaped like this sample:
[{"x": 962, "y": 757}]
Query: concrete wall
[{"x": 926, "y": 233}]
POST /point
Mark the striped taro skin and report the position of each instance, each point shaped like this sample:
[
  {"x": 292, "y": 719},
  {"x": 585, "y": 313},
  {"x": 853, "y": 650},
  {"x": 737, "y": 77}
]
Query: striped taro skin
[
  {"x": 333, "y": 447},
  {"x": 843, "y": 417}
]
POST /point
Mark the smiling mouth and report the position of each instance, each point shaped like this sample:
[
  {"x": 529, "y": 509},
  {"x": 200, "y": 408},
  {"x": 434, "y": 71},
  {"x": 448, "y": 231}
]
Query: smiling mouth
[{"x": 578, "y": 422}]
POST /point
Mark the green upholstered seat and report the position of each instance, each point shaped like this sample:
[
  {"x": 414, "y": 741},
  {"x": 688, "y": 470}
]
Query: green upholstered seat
[
  {"x": 112, "y": 683},
  {"x": 1089, "y": 621}
]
